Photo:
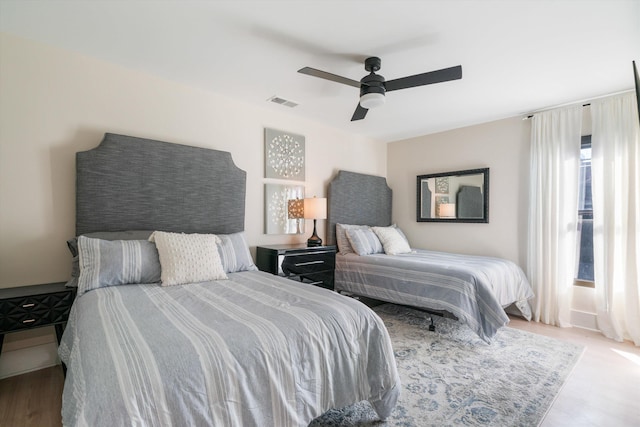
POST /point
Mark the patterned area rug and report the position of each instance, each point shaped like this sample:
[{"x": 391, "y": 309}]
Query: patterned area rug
[{"x": 450, "y": 377}]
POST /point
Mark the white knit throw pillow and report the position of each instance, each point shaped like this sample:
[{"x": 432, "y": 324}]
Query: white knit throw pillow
[
  {"x": 392, "y": 241},
  {"x": 188, "y": 258}
]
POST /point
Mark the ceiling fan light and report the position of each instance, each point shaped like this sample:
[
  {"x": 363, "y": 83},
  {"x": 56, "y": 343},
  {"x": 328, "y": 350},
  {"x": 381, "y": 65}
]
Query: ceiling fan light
[{"x": 372, "y": 100}]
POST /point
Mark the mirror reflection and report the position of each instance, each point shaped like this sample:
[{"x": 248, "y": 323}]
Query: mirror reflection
[{"x": 460, "y": 196}]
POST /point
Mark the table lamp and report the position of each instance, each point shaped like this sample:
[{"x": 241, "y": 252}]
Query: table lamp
[
  {"x": 447, "y": 210},
  {"x": 295, "y": 210},
  {"x": 315, "y": 208}
]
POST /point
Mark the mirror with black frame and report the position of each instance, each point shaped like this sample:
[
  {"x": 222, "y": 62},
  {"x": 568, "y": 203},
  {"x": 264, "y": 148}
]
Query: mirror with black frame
[{"x": 460, "y": 196}]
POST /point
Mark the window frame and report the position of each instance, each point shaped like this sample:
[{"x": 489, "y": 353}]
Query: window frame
[{"x": 584, "y": 142}]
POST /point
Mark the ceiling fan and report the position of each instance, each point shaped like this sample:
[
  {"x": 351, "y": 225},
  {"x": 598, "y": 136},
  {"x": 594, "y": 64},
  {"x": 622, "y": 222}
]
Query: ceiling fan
[{"x": 373, "y": 86}]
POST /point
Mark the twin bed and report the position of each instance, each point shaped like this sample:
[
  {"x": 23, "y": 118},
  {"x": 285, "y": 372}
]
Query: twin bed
[
  {"x": 253, "y": 349},
  {"x": 229, "y": 345},
  {"x": 473, "y": 289}
]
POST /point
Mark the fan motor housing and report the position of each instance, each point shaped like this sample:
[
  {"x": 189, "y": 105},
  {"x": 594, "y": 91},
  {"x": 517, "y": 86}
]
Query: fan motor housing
[{"x": 372, "y": 83}]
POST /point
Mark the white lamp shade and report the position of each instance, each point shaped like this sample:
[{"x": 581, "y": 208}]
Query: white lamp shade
[
  {"x": 447, "y": 210},
  {"x": 315, "y": 208},
  {"x": 372, "y": 100}
]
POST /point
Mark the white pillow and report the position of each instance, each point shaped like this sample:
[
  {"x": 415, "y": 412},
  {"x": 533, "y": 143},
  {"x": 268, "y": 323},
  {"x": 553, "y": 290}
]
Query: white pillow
[
  {"x": 392, "y": 241},
  {"x": 188, "y": 258},
  {"x": 404, "y": 236}
]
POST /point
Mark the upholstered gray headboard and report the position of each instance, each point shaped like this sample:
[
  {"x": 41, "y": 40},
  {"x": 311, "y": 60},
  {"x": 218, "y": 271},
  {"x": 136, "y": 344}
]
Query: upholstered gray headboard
[
  {"x": 129, "y": 183},
  {"x": 470, "y": 202},
  {"x": 356, "y": 198}
]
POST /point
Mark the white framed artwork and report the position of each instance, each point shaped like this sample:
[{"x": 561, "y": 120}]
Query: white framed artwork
[
  {"x": 276, "y": 200},
  {"x": 284, "y": 155}
]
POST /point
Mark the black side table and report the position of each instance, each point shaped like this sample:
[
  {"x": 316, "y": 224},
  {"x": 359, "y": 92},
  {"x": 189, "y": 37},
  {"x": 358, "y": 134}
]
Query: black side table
[
  {"x": 28, "y": 307},
  {"x": 314, "y": 265}
]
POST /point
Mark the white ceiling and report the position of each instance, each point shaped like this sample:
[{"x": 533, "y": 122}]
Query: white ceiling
[{"x": 517, "y": 56}]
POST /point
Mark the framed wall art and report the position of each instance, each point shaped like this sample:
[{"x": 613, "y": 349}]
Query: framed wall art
[
  {"x": 278, "y": 217},
  {"x": 442, "y": 185},
  {"x": 284, "y": 155}
]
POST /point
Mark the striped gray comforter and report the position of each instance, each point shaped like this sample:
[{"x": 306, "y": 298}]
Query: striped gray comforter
[
  {"x": 254, "y": 350},
  {"x": 473, "y": 288}
]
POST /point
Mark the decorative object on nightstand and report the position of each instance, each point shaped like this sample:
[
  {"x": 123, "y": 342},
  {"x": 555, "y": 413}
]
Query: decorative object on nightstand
[
  {"x": 35, "y": 306},
  {"x": 295, "y": 210},
  {"x": 313, "y": 265},
  {"x": 315, "y": 208}
]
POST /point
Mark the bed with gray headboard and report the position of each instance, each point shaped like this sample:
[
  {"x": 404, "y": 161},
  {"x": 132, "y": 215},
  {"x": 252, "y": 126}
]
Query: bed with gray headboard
[
  {"x": 375, "y": 260},
  {"x": 147, "y": 344},
  {"x": 129, "y": 183}
]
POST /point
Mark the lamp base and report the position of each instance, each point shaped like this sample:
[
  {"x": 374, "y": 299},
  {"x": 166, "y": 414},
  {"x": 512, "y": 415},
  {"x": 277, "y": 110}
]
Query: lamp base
[{"x": 314, "y": 240}]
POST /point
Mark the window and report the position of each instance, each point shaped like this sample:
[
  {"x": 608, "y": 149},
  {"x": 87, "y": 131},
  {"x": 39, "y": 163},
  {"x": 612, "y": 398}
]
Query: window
[{"x": 584, "y": 276}]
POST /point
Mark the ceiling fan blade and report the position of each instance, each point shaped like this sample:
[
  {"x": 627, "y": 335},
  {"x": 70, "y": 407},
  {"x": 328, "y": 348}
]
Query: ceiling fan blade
[
  {"x": 438, "y": 76},
  {"x": 328, "y": 76},
  {"x": 359, "y": 114}
]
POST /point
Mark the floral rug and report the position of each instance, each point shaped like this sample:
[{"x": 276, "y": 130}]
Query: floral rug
[{"x": 451, "y": 377}]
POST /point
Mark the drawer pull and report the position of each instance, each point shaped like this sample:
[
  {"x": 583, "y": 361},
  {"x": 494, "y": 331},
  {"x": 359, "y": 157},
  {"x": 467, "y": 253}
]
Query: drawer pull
[
  {"x": 29, "y": 321},
  {"x": 300, "y": 264},
  {"x": 27, "y": 305}
]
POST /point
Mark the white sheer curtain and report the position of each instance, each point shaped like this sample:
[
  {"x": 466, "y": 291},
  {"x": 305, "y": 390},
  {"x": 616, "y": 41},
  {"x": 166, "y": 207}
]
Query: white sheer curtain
[
  {"x": 615, "y": 172},
  {"x": 553, "y": 212}
]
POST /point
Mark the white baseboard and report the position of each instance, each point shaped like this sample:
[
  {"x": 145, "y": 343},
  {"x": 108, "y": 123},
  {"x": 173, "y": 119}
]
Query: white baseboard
[
  {"x": 584, "y": 320},
  {"x": 23, "y": 360}
]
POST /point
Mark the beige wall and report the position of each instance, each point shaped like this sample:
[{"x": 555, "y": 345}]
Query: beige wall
[
  {"x": 54, "y": 103},
  {"x": 502, "y": 146}
]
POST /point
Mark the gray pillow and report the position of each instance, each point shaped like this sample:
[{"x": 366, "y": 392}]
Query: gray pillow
[
  {"x": 72, "y": 244},
  {"x": 234, "y": 253},
  {"x": 364, "y": 241},
  {"x": 344, "y": 246},
  {"x": 119, "y": 262}
]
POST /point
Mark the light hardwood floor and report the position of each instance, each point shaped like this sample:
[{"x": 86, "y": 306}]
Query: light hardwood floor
[
  {"x": 603, "y": 390},
  {"x": 33, "y": 399}
]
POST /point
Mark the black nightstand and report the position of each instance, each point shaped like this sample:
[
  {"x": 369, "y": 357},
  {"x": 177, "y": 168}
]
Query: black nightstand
[
  {"x": 28, "y": 307},
  {"x": 314, "y": 265}
]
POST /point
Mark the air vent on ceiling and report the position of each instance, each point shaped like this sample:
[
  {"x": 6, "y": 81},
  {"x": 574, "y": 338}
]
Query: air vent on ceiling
[{"x": 282, "y": 101}]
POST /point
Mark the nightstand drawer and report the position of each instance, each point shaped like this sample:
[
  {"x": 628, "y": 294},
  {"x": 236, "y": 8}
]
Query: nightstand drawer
[
  {"x": 323, "y": 279},
  {"x": 291, "y": 264},
  {"x": 34, "y": 310}
]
